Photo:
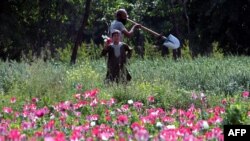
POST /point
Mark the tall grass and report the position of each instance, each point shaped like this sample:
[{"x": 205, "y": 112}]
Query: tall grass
[
  {"x": 171, "y": 82},
  {"x": 226, "y": 75}
]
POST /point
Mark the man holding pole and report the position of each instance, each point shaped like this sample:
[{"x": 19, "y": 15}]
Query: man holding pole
[{"x": 120, "y": 22}]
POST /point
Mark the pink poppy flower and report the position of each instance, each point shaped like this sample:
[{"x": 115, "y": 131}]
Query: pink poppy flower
[
  {"x": 103, "y": 132},
  {"x": 2, "y": 138},
  {"x": 92, "y": 117},
  {"x": 156, "y": 112},
  {"x": 107, "y": 133},
  {"x": 108, "y": 118},
  {"x": 3, "y": 129},
  {"x": 148, "y": 119},
  {"x": 77, "y": 96},
  {"x": 49, "y": 138},
  {"x": 122, "y": 119},
  {"x": 215, "y": 119},
  {"x": 182, "y": 131},
  {"x": 190, "y": 123},
  {"x": 49, "y": 126},
  {"x": 245, "y": 94},
  {"x": 190, "y": 138},
  {"x": 26, "y": 125},
  {"x": 173, "y": 111},
  {"x": 38, "y": 134},
  {"x": 217, "y": 132},
  {"x": 125, "y": 108},
  {"x": 32, "y": 107},
  {"x": 181, "y": 112},
  {"x": 209, "y": 135},
  {"x": 13, "y": 100},
  {"x": 224, "y": 101},
  {"x": 142, "y": 135},
  {"x": 77, "y": 114},
  {"x": 219, "y": 110},
  {"x": 221, "y": 137},
  {"x": 89, "y": 139},
  {"x": 167, "y": 119},
  {"x": 138, "y": 105},
  {"x": 136, "y": 126},
  {"x": 104, "y": 136},
  {"x": 85, "y": 127},
  {"x": 23, "y": 137},
  {"x": 194, "y": 96},
  {"x": 111, "y": 102},
  {"x": 76, "y": 135},
  {"x": 190, "y": 115},
  {"x": 151, "y": 99},
  {"x": 93, "y": 103},
  {"x": 95, "y": 131},
  {"x": 103, "y": 102},
  {"x": 35, "y": 100},
  {"x": 40, "y": 113},
  {"x": 168, "y": 134},
  {"x": 7, "y": 110},
  {"x": 91, "y": 94},
  {"x": 14, "y": 135},
  {"x": 60, "y": 136},
  {"x": 79, "y": 87}
]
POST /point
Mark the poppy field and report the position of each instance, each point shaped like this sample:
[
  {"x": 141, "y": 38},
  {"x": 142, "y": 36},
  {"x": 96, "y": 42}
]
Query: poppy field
[{"x": 58, "y": 102}]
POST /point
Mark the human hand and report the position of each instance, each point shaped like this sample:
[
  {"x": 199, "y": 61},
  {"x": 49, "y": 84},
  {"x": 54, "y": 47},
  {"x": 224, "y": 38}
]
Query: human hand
[
  {"x": 107, "y": 41},
  {"x": 137, "y": 25},
  {"x": 160, "y": 37}
]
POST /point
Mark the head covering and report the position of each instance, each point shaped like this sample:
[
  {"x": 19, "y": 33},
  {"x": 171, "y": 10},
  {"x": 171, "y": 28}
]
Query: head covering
[
  {"x": 120, "y": 13},
  {"x": 115, "y": 31}
]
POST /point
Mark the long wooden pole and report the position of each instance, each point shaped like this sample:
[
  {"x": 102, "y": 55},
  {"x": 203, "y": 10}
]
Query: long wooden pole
[{"x": 145, "y": 28}]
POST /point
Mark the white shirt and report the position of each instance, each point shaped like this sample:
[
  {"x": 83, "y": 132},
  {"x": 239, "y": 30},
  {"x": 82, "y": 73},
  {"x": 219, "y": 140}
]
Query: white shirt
[{"x": 117, "y": 49}]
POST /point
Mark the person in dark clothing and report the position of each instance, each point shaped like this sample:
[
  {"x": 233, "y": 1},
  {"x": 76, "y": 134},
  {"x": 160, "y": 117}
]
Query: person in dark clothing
[{"x": 118, "y": 53}]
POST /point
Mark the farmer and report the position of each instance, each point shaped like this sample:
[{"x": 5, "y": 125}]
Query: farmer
[
  {"x": 118, "y": 53},
  {"x": 120, "y": 22}
]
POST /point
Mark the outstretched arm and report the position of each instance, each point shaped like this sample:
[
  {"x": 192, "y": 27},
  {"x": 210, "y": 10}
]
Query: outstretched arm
[{"x": 130, "y": 33}]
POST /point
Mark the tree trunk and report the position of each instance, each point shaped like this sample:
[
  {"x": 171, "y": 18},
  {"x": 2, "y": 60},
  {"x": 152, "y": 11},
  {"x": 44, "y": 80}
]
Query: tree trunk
[
  {"x": 139, "y": 43},
  {"x": 41, "y": 30},
  {"x": 186, "y": 15},
  {"x": 80, "y": 34},
  {"x": 176, "y": 52},
  {"x": 190, "y": 36}
]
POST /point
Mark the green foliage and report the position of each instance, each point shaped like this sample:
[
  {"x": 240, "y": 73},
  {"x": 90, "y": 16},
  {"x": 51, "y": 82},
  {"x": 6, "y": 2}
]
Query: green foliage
[
  {"x": 82, "y": 74},
  {"x": 151, "y": 51},
  {"x": 37, "y": 79},
  {"x": 64, "y": 54},
  {"x": 217, "y": 52},
  {"x": 85, "y": 52},
  {"x": 237, "y": 111},
  {"x": 185, "y": 51},
  {"x": 171, "y": 82},
  {"x": 203, "y": 74},
  {"x": 34, "y": 25}
]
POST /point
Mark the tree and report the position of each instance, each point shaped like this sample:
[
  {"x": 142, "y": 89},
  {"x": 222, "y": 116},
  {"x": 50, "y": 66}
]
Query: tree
[
  {"x": 33, "y": 26},
  {"x": 80, "y": 34},
  {"x": 225, "y": 21}
]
